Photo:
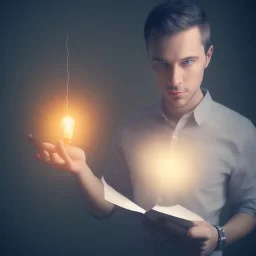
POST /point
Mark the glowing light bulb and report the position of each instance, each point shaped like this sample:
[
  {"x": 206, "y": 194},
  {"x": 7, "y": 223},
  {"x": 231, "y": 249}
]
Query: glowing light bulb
[{"x": 68, "y": 125}]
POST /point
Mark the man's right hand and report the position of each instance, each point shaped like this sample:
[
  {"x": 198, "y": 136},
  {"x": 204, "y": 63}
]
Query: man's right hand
[
  {"x": 73, "y": 159},
  {"x": 59, "y": 156}
]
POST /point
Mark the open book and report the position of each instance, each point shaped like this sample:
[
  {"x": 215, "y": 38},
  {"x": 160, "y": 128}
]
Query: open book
[{"x": 175, "y": 219}]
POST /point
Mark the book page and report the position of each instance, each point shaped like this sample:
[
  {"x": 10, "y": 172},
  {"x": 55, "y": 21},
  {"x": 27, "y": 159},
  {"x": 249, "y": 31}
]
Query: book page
[
  {"x": 111, "y": 195},
  {"x": 116, "y": 198}
]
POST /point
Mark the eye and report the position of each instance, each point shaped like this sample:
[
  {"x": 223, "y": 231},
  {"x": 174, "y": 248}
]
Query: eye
[
  {"x": 166, "y": 65},
  {"x": 188, "y": 62},
  {"x": 160, "y": 64},
  {"x": 163, "y": 63}
]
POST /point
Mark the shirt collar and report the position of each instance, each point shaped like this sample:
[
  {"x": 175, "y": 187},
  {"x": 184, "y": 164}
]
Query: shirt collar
[{"x": 200, "y": 112}]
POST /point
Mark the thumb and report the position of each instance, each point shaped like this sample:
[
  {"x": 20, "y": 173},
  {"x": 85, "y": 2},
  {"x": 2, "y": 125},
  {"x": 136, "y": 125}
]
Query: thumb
[{"x": 199, "y": 232}]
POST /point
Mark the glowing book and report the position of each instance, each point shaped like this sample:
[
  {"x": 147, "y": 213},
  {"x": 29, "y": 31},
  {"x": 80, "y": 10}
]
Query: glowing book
[{"x": 174, "y": 219}]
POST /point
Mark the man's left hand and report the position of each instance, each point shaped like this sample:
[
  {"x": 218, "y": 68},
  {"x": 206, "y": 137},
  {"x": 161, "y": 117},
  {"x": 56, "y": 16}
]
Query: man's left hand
[{"x": 203, "y": 237}]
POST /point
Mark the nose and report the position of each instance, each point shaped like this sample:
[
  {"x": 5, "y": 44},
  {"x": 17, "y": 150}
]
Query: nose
[{"x": 175, "y": 76}]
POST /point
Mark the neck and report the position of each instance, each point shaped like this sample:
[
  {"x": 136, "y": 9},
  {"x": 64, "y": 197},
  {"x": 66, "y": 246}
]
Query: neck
[{"x": 175, "y": 114}]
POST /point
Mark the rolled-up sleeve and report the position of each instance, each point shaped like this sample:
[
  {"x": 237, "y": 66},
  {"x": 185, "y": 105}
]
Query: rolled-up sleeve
[
  {"x": 242, "y": 183},
  {"x": 116, "y": 173}
]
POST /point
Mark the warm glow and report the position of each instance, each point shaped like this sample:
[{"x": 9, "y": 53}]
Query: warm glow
[
  {"x": 173, "y": 172},
  {"x": 176, "y": 172},
  {"x": 68, "y": 125}
]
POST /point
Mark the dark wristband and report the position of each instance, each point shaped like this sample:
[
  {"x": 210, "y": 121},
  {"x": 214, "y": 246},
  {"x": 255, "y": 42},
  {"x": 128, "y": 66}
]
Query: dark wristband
[{"x": 221, "y": 238}]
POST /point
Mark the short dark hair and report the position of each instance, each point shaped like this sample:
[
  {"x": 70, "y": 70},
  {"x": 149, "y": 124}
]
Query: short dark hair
[{"x": 173, "y": 16}]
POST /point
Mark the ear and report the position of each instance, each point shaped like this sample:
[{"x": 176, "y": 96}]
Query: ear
[{"x": 208, "y": 56}]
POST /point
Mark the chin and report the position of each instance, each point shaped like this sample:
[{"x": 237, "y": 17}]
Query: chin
[{"x": 176, "y": 103}]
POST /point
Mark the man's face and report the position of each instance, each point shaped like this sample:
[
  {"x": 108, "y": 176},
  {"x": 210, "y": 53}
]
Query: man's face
[{"x": 178, "y": 63}]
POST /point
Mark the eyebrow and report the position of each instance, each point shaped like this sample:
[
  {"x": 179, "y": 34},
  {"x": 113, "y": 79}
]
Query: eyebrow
[{"x": 186, "y": 58}]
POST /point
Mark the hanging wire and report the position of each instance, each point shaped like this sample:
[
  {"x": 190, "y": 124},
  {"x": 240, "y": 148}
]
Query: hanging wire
[{"x": 68, "y": 76}]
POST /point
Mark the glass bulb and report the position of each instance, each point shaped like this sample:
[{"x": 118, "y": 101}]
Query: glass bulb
[{"x": 68, "y": 125}]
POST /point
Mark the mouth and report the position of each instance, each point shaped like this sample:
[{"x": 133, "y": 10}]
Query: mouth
[{"x": 175, "y": 92}]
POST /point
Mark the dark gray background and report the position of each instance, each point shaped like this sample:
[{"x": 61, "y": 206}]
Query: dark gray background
[{"x": 43, "y": 210}]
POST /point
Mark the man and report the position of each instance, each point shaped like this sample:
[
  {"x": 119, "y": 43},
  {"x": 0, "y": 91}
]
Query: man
[{"x": 216, "y": 145}]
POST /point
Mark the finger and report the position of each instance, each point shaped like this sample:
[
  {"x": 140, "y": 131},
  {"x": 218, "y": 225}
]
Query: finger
[
  {"x": 38, "y": 157},
  {"x": 45, "y": 156},
  {"x": 57, "y": 162},
  {"x": 199, "y": 232},
  {"x": 56, "y": 159},
  {"x": 41, "y": 146},
  {"x": 48, "y": 147},
  {"x": 63, "y": 153},
  {"x": 52, "y": 158},
  {"x": 46, "y": 152}
]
